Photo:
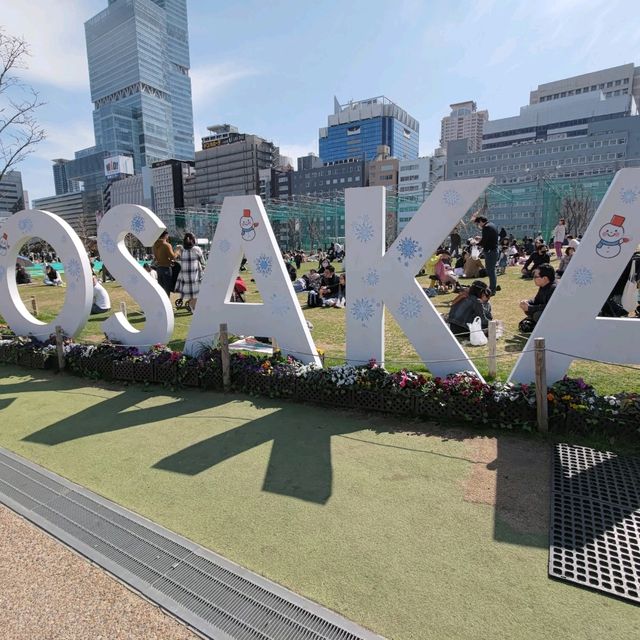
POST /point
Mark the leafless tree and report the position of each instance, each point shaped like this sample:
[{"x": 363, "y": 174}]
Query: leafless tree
[
  {"x": 577, "y": 207},
  {"x": 19, "y": 129}
]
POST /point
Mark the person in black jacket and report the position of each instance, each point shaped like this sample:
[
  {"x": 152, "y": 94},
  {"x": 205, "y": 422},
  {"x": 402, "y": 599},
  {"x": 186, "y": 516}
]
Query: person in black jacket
[
  {"x": 472, "y": 303},
  {"x": 544, "y": 276},
  {"x": 489, "y": 244},
  {"x": 539, "y": 257}
]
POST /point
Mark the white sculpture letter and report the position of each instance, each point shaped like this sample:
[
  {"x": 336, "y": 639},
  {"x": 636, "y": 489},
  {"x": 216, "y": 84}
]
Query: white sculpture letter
[
  {"x": 17, "y": 230},
  {"x": 377, "y": 279},
  {"x": 243, "y": 228},
  {"x": 569, "y": 323},
  {"x": 155, "y": 304}
]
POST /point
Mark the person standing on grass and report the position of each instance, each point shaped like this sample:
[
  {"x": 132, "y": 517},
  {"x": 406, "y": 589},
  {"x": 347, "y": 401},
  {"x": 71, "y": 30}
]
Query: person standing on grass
[
  {"x": 559, "y": 233},
  {"x": 164, "y": 257},
  {"x": 192, "y": 262},
  {"x": 489, "y": 244}
]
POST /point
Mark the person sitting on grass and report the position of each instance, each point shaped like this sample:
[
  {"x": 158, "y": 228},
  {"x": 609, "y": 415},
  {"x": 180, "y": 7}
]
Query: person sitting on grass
[
  {"x": 536, "y": 259},
  {"x": 22, "y": 276},
  {"x": 52, "y": 277},
  {"x": 564, "y": 261},
  {"x": 444, "y": 272},
  {"x": 544, "y": 277},
  {"x": 101, "y": 300},
  {"x": 340, "y": 298},
  {"x": 468, "y": 305}
]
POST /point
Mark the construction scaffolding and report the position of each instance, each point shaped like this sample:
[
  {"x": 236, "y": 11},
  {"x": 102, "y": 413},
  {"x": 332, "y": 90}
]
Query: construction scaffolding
[{"x": 524, "y": 208}]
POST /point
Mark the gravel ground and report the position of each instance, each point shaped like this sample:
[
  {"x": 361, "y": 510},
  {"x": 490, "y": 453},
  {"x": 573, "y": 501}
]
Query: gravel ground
[{"x": 49, "y": 592}]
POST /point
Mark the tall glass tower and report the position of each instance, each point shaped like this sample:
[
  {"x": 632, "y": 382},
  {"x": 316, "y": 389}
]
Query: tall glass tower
[
  {"x": 138, "y": 54},
  {"x": 356, "y": 129}
]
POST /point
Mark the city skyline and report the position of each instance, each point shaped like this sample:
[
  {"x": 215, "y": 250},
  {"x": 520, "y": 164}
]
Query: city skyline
[{"x": 276, "y": 74}]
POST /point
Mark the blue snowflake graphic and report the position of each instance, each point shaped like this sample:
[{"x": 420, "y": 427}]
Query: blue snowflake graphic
[
  {"x": 362, "y": 310},
  {"x": 224, "y": 246},
  {"x": 363, "y": 229},
  {"x": 3, "y": 271},
  {"x": 410, "y": 307},
  {"x": 107, "y": 242},
  {"x": 73, "y": 269},
  {"x": 409, "y": 249},
  {"x": 629, "y": 196},
  {"x": 263, "y": 264},
  {"x": 137, "y": 224},
  {"x": 279, "y": 307},
  {"x": 371, "y": 278},
  {"x": 583, "y": 277},
  {"x": 25, "y": 225},
  {"x": 451, "y": 197}
]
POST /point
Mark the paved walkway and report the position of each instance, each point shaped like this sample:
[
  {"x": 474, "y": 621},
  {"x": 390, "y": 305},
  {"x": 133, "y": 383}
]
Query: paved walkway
[{"x": 49, "y": 592}]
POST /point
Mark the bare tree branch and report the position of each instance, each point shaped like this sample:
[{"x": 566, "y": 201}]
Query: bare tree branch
[{"x": 19, "y": 129}]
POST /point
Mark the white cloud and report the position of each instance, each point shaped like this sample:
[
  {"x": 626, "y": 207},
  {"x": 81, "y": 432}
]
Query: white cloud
[
  {"x": 298, "y": 150},
  {"x": 55, "y": 33},
  {"x": 65, "y": 138},
  {"x": 208, "y": 81}
]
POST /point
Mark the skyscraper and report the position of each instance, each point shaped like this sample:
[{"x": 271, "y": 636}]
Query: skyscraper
[
  {"x": 138, "y": 54},
  {"x": 464, "y": 121},
  {"x": 356, "y": 129}
]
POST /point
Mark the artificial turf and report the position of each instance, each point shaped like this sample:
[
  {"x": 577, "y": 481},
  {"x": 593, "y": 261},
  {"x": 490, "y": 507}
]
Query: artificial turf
[{"x": 375, "y": 524}]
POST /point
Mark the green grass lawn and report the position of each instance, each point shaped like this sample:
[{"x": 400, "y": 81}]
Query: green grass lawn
[
  {"x": 329, "y": 330},
  {"x": 437, "y": 536}
]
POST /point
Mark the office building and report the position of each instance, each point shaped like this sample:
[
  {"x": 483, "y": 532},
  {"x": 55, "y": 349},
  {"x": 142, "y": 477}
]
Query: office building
[
  {"x": 355, "y": 130},
  {"x": 331, "y": 178},
  {"x": 616, "y": 81},
  {"x": 582, "y": 137},
  {"x": 310, "y": 161},
  {"x": 11, "y": 193},
  {"x": 228, "y": 165},
  {"x": 62, "y": 183},
  {"x": 383, "y": 170},
  {"x": 71, "y": 208},
  {"x": 138, "y": 55},
  {"x": 464, "y": 121},
  {"x": 168, "y": 180}
]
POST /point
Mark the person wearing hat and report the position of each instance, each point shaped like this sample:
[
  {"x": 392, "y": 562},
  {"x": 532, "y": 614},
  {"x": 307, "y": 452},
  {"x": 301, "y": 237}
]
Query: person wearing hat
[
  {"x": 470, "y": 304},
  {"x": 444, "y": 272}
]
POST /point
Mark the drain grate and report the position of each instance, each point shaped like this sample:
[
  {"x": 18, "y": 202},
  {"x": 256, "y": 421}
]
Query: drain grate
[
  {"x": 595, "y": 521},
  {"x": 211, "y": 594}
]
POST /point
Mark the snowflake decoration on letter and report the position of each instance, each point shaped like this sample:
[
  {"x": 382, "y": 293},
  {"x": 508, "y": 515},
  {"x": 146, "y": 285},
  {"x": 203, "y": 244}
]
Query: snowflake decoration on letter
[
  {"x": 362, "y": 310},
  {"x": 583, "y": 277},
  {"x": 278, "y": 306},
  {"x": 371, "y": 278},
  {"x": 451, "y": 197},
  {"x": 409, "y": 249},
  {"x": 629, "y": 196},
  {"x": 363, "y": 229},
  {"x": 224, "y": 246},
  {"x": 25, "y": 225},
  {"x": 263, "y": 264},
  {"x": 3, "y": 271},
  {"x": 73, "y": 269},
  {"x": 137, "y": 224},
  {"x": 410, "y": 307},
  {"x": 107, "y": 242}
]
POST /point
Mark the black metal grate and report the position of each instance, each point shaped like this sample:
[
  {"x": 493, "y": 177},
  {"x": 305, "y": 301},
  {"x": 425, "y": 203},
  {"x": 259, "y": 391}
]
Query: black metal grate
[
  {"x": 595, "y": 521},
  {"x": 214, "y": 596}
]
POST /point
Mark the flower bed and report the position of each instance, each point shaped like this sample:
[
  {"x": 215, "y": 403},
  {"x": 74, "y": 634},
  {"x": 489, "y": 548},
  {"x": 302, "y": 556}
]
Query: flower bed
[{"x": 574, "y": 406}]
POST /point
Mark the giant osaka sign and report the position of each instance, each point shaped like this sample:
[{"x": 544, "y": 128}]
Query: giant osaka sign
[{"x": 378, "y": 280}]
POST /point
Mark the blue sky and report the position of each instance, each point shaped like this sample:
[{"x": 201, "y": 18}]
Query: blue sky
[{"x": 272, "y": 68}]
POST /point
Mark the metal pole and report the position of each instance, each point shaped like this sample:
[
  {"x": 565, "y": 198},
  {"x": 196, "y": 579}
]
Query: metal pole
[
  {"x": 224, "y": 354},
  {"x": 541, "y": 385},
  {"x": 492, "y": 346},
  {"x": 123, "y": 308}
]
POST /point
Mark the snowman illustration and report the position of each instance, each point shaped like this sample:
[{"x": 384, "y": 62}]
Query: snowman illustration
[
  {"x": 247, "y": 225},
  {"x": 4, "y": 244},
  {"x": 611, "y": 237}
]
